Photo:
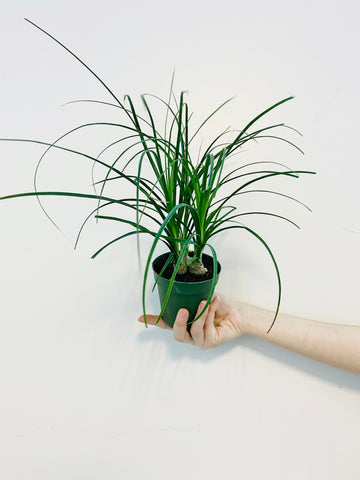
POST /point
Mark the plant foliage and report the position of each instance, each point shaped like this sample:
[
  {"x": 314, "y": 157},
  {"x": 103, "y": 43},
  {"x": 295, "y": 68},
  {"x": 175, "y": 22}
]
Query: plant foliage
[{"x": 178, "y": 200}]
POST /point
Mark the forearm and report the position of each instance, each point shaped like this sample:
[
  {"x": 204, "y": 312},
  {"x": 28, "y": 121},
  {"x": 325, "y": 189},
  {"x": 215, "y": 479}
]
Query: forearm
[{"x": 336, "y": 345}]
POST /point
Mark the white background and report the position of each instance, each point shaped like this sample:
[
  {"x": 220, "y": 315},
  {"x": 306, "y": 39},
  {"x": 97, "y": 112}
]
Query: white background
[{"x": 87, "y": 392}]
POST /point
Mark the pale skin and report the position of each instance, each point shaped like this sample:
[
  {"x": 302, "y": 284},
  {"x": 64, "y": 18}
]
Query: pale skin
[{"x": 223, "y": 321}]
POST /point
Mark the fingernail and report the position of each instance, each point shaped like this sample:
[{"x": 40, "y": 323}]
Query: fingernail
[{"x": 182, "y": 314}]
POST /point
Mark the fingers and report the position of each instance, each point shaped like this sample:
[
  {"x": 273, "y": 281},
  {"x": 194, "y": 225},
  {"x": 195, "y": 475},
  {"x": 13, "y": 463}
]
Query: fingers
[
  {"x": 197, "y": 328},
  {"x": 180, "y": 332},
  {"x": 210, "y": 317},
  {"x": 203, "y": 330},
  {"x": 153, "y": 320}
]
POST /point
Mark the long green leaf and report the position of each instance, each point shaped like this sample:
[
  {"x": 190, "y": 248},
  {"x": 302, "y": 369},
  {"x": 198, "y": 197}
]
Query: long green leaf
[{"x": 79, "y": 60}]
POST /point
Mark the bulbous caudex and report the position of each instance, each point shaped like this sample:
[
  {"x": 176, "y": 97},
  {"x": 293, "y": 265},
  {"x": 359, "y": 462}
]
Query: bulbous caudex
[{"x": 192, "y": 264}]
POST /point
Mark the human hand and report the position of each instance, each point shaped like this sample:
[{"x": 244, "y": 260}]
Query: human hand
[{"x": 220, "y": 323}]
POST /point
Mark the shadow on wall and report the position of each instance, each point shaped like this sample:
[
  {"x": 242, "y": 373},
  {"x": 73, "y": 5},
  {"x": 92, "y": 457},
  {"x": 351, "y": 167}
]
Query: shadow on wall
[{"x": 326, "y": 373}]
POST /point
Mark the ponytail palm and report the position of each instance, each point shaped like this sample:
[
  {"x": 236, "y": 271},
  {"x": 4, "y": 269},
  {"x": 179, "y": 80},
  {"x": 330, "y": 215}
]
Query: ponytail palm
[{"x": 177, "y": 199}]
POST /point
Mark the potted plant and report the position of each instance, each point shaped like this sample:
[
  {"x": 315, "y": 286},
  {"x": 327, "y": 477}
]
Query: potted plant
[{"x": 177, "y": 200}]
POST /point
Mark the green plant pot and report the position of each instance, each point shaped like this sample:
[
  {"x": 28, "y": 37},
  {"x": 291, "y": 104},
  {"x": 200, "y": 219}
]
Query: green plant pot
[{"x": 183, "y": 294}]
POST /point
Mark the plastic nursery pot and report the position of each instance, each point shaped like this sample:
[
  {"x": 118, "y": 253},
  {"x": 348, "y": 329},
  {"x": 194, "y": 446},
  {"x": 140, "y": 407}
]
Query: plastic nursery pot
[{"x": 183, "y": 294}]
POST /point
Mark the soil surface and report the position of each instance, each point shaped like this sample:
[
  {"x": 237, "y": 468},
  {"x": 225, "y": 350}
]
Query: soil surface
[{"x": 186, "y": 277}]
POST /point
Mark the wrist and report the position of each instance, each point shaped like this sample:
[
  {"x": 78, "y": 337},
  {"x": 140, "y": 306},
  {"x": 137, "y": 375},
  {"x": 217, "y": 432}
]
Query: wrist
[
  {"x": 246, "y": 318},
  {"x": 254, "y": 320}
]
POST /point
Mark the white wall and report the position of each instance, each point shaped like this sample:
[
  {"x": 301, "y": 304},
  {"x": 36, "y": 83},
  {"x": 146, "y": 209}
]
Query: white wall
[{"x": 86, "y": 392}]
